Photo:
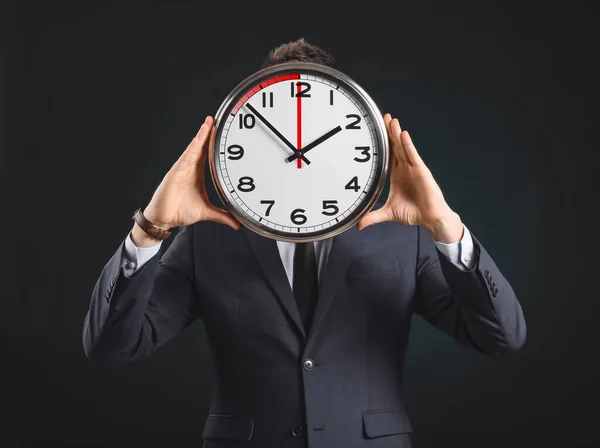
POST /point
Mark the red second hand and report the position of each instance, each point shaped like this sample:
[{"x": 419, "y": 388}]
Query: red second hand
[{"x": 299, "y": 121}]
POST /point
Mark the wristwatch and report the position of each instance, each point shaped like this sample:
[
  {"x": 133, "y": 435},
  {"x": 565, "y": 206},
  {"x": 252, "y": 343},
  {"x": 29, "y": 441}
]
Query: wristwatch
[{"x": 148, "y": 227}]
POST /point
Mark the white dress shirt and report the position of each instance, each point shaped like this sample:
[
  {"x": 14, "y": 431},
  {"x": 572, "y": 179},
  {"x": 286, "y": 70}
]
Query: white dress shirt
[{"x": 459, "y": 253}]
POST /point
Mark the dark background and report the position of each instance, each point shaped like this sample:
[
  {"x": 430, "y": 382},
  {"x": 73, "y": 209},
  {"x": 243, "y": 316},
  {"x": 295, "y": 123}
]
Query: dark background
[{"x": 100, "y": 98}]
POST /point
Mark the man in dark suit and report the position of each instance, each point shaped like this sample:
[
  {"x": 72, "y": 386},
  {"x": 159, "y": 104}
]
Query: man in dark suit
[{"x": 286, "y": 374}]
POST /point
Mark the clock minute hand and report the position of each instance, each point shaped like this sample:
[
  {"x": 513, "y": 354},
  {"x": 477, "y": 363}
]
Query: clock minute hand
[
  {"x": 313, "y": 144},
  {"x": 297, "y": 152}
]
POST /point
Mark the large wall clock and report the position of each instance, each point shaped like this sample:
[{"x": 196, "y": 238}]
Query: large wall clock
[{"x": 301, "y": 152}]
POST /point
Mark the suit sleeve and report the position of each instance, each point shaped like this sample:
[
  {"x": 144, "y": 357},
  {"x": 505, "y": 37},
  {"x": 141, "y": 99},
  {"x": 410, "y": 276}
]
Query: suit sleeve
[
  {"x": 459, "y": 253},
  {"x": 136, "y": 257},
  {"x": 476, "y": 306},
  {"x": 130, "y": 316}
]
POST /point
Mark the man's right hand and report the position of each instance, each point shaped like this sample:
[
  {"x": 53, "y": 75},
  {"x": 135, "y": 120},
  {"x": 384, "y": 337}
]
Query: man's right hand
[{"x": 181, "y": 199}]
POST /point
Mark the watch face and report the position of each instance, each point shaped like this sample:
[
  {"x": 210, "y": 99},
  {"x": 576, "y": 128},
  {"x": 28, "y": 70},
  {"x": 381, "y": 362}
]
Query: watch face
[{"x": 300, "y": 153}]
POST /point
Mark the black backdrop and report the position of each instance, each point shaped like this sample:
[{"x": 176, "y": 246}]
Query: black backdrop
[{"x": 100, "y": 98}]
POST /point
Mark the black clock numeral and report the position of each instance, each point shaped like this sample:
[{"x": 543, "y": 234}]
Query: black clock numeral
[
  {"x": 297, "y": 216},
  {"x": 269, "y": 207},
  {"x": 354, "y": 124},
  {"x": 364, "y": 150},
  {"x": 247, "y": 121},
  {"x": 264, "y": 99},
  {"x": 303, "y": 93},
  {"x": 330, "y": 205},
  {"x": 331, "y": 97},
  {"x": 246, "y": 184},
  {"x": 236, "y": 151},
  {"x": 353, "y": 184}
]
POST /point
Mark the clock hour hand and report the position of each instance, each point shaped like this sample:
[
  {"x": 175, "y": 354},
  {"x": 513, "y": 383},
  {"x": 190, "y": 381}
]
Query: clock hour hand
[
  {"x": 315, "y": 143},
  {"x": 297, "y": 153}
]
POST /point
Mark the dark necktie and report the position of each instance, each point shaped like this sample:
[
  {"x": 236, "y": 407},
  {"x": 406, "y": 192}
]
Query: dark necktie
[{"x": 305, "y": 282}]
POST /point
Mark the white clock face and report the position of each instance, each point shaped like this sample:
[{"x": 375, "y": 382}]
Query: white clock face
[{"x": 290, "y": 193}]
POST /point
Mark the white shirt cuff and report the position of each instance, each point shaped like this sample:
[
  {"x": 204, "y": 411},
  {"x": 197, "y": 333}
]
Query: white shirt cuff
[
  {"x": 459, "y": 253},
  {"x": 136, "y": 257}
]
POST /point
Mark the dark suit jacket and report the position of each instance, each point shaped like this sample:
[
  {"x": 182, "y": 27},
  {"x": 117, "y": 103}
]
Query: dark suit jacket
[{"x": 265, "y": 394}]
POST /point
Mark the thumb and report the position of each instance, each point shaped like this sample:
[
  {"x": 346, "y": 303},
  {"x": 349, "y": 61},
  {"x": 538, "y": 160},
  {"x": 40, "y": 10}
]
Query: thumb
[
  {"x": 374, "y": 217},
  {"x": 223, "y": 217}
]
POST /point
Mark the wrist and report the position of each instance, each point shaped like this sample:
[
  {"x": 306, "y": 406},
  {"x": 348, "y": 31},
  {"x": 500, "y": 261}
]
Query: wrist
[
  {"x": 142, "y": 223},
  {"x": 447, "y": 229},
  {"x": 149, "y": 214},
  {"x": 141, "y": 238}
]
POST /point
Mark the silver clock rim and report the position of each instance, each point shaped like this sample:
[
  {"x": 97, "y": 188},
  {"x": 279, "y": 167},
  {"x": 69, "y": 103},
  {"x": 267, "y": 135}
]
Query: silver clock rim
[{"x": 346, "y": 82}]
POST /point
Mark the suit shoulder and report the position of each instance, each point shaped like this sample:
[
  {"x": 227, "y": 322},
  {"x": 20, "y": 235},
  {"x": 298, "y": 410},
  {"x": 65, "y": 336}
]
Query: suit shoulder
[
  {"x": 214, "y": 232},
  {"x": 390, "y": 230}
]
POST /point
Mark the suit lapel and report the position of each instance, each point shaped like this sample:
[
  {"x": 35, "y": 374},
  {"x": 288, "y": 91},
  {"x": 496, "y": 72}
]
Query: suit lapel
[
  {"x": 267, "y": 254},
  {"x": 344, "y": 248}
]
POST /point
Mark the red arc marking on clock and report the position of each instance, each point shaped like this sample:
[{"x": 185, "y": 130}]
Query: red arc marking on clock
[
  {"x": 299, "y": 110},
  {"x": 261, "y": 86}
]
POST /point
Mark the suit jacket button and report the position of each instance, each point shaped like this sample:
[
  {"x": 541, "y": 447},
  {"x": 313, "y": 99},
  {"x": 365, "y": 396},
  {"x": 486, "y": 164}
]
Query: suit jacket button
[
  {"x": 495, "y": 292},
  {"x": 308, "y": 364},
  {"x": 492, "y": 284},
  {"x": 486, "y": 274},
  {"x": 298, "y": 431},
  {"x": 112, "y": 282}
]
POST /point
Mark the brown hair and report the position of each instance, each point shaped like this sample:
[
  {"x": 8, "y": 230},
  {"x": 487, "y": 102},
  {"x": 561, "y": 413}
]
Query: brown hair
[{"x": 298, "y": 50}]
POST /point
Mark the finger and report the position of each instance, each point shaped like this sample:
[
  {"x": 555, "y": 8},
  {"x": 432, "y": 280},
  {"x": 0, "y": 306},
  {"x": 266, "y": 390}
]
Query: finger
[
  {"x": 213, "y": 136},
  {"x": 223, "y": 217},
  {"x": 209, "y": 124},
  {"x": 196, "y": 146},
  {"x": 394, "y": 160},
  {"x": 411, "y": 151},
  {"x": 374, "y": 217},
  {"x": 207, "y": 146},
  {"x": 386, "y": 119},
  {"x": 397, "y": 152},
  {"x": 398, "y": 145}
]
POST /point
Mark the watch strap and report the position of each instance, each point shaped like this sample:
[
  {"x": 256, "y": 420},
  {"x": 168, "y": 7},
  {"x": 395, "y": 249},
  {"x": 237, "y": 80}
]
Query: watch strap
[{"x": 148, "y": 227}]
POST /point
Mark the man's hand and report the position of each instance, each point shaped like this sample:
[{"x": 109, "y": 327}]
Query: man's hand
[
  {"x": 415, "y": 198},
  {"x": 181, "y": 198}
]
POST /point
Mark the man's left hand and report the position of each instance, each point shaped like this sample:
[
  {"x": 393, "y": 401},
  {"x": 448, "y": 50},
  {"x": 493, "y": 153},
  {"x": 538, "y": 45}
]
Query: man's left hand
[{"x": 415, "y": 197}]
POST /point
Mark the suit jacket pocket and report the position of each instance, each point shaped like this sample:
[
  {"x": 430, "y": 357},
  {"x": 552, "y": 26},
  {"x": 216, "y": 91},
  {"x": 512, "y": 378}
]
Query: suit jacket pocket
[
  {"x": 385, "y": 423},
  {"x": 228, "y": 427}
]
